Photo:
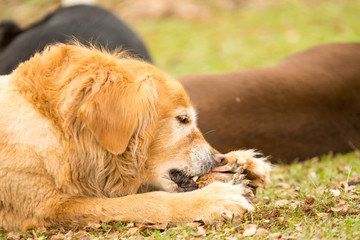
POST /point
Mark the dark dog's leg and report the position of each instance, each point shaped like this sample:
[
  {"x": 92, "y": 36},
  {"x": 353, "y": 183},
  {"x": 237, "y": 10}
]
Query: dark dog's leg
[{"x": 8, "y": 31}]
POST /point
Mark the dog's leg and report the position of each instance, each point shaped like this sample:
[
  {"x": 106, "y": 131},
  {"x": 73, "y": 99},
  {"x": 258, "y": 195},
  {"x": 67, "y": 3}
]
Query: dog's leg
[{"x": 214, "y": 201}]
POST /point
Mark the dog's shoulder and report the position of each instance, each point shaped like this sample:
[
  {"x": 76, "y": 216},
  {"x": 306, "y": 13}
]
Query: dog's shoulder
[{"x": 20, "y": 122}]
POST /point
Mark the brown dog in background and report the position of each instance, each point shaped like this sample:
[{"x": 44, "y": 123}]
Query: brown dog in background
[
  {"x": 304, "y": 106},
  {"x": 85, "y": 135}
]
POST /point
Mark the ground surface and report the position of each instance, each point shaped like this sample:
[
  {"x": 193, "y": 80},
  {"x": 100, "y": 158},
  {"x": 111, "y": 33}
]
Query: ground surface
[{"x": 317, "y": 199}]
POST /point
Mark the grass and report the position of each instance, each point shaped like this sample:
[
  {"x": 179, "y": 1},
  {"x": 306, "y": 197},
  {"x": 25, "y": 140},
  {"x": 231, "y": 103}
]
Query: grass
[
  {"x": 250, "y": 36},
  {"x": 313, "y": 189},
  {"x": 308, "y": 200}
]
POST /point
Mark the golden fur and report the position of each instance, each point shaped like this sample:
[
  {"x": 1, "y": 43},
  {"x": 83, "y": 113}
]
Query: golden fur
[{"x": 85, "y": 134}]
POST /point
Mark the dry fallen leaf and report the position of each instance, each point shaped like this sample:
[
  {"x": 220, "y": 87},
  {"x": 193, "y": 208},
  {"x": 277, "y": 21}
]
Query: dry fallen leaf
[
  {"x": 92, "y": 226},
  {"x": 354, "y": 181},
  {"x": 310, "y": 200},
  {"x": 69, "y": 235},
  {"x": 265, "y": 200},
  {"x": 298, "y": 227},
  {"x": 294, "y": 204},
  {"x": 261, "y": 232},
  {"x": 249, "y": 230},
  {"x": 58, "y": 236},
  {"x": 323, "y": 215},
  {"x": 340, "y": 208},
  {"x": 292, "y": 236},
  {"x": 335, "y": 192},
  {"x": 160, "y": 227},
  {"x": 194, "y": 224},
  {"x": 13, "y": 235},
  {"x": 353, "y": 197},
  {"x": 280, "y": 203},
  {"x": 275, "y": 235},
  {"x": 283, "y": 185},
  {"x": 201, "y": 231},
  {"x": 41, "y": 230},
  {"x": 277, "y": 177},
  {"x": 82, "y": 235},
  {"x": 131, "y": 225},
  {"x": 132, "y": 230}
]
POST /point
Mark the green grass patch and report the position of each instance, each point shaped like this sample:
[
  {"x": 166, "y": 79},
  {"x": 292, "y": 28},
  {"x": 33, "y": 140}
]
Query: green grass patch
[{"x": 308, "y": 200}]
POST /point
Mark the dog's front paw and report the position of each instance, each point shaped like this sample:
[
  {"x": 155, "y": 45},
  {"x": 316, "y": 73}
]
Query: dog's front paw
[
  {"x": 242, "y": 167},
  {"x": 219, "y": 200},
  {"x": 251, "y": 163}
]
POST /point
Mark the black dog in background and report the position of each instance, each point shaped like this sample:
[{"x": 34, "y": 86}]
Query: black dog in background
[{"x": 84, "y": 22}]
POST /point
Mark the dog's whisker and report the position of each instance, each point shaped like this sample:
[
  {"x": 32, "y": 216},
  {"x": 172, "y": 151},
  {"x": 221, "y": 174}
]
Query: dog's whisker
[{"x": 210, "y": 131}]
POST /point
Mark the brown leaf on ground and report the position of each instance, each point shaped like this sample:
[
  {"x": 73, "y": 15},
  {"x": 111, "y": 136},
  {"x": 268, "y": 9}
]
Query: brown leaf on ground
[
  {"x": 265, "y": 200},
  {"x": 194, "y": 224},
  {"x": 41, "y": 230},
  {"x": 281, "y": 203},
  {"x": 133, "y": 230},
  {"x": 92, "y": 226},
  {"x": 160, "y": 227},
  {"x": 277, "y": 177},
  {"x": 310, "y": 200},
  {"x": 323, "y": 215},
  {"x": 283, "y": 185},
  {"x": 312, "y": 174},
  {"x": 201, "y": 231},
  {"x": 13, "y": 236},
  {"x": 354, "y": 181},
  {"x": 353, "y": 197},
  {"x": 57, "y": 236},
  {"x": 335, "y": 192},
  {"x": 294, "y": 203},
  {"x": 82, "y": 235},
  {"x": 342, "y": 208},
  {"x": 273, "y": 214},
  {"x": 131, "y": 225},
  {"x": 307, "y": 208},
  {"x": 249, "y": 230},
  {"x": 292, "y": 236},
  {"x": 275, "y": 235},
  {"x": 261, "y": 232}
]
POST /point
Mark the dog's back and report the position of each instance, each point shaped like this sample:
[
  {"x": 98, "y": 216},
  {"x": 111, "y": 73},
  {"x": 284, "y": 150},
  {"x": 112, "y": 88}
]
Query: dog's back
[
  {"x": 307, "y": 105},
  {"x": 85, "y": 23}
]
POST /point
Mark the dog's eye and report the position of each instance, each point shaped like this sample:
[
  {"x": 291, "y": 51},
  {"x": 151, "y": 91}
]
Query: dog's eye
[{"x": 184, "y": 119}]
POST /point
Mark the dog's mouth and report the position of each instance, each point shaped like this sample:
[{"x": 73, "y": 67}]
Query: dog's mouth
[{"x": 184, "y": 182}]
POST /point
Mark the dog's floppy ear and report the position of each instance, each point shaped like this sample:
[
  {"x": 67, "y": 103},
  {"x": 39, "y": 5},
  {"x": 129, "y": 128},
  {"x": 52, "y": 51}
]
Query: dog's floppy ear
[{"x": 119, "y": 111}]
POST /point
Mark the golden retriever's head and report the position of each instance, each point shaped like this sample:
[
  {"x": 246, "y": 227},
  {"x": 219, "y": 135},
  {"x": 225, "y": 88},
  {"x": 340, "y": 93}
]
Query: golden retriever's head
[{"x": 123, "y": 110}]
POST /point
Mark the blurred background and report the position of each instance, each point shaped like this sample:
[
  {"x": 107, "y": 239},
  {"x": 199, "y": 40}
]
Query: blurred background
[{"x": 190, "y": 36}]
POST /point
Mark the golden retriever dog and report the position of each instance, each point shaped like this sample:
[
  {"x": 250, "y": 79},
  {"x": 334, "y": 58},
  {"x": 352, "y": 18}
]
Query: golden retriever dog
[
  {"x": 304, "y": 106},
  {"x": 87, "y": 135}
]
